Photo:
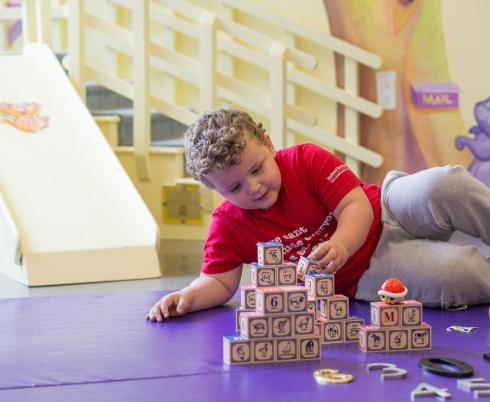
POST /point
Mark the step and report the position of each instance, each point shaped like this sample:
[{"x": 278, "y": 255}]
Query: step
[{"x": 164, "y": 129}]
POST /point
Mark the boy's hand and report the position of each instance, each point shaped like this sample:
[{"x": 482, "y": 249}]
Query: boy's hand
[
  {"x": 331, "y": 255},
  {"x": 173, "y": 304}
]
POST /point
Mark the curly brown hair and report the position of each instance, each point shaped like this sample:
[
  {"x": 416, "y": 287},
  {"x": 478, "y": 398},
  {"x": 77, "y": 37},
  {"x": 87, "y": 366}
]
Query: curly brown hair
[{"x": 217, "y": 139}]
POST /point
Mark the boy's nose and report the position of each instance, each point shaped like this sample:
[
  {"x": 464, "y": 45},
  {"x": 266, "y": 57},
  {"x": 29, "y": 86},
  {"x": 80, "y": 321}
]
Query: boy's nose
[{"x": 254, "y": 187}]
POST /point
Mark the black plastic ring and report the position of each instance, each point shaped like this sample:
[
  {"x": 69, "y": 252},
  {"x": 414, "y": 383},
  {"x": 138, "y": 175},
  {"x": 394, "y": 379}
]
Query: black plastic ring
[
  {"x": 486, "y": 356},
  {"x": 433, "y": 365}
]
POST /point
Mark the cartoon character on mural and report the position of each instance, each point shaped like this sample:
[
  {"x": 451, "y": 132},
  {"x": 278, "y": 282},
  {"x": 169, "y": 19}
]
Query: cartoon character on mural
[
  {"x": 23, "y": 116},
  {"x": 480, "y": 144}
]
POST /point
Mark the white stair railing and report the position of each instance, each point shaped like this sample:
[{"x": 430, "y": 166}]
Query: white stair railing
[
  {"x": 348, "y": 97},
  {"x": 205, "y": 28},
  {"x": 219, "y": 40}
]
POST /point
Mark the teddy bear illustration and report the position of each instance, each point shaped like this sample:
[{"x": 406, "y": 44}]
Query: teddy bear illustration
[{"x": 480, "y": 144}]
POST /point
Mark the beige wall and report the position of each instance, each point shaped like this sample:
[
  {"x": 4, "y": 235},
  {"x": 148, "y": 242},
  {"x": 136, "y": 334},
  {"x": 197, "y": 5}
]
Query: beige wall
[{"x": 467, "y": 32}]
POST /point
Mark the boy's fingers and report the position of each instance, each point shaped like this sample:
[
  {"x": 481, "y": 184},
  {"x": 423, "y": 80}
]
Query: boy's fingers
[
  {"x": 320, "y": 252},
  {"x": 165, "y": 305},
  {"x": 183, "y": 305},
  {"x": 328, "y": 262}
]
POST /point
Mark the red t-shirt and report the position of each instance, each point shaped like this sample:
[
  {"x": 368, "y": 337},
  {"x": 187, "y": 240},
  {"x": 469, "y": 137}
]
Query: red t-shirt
[{"x": 313, "y": 182}]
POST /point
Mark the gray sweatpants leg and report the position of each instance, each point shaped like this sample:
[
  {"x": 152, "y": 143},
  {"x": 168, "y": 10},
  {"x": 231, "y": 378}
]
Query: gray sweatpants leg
[{"x": 419, "y": 213}]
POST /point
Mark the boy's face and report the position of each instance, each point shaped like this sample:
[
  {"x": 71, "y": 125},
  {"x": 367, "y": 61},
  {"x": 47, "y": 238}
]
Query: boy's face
[{"x": 255, "y": 182}]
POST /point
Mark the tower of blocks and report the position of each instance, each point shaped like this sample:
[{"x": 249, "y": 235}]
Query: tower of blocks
[
  {"x": 288, "y": 312},
  {"x": 395, "y": 327},
  {"x": 274, "y": 322}
]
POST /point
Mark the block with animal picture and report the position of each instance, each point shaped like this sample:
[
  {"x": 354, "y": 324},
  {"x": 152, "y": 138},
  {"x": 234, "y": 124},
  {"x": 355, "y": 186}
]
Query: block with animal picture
[
  {"x": 332, "y": 332},
  {"x": 264, "y": 350},
  {"x": 411, "y": 313},
  {"x": 372, "y": 339},
  {"x": 281, "y": 325},
  {"x": 335, "y": 307},
  {"x": 254, "y": 325},
  {"x": 319, "y": 285},
  {"x": 237, "y": 349},
  {"x": 287, "y": 349},
  {"x": 421, "y": 337},
  {"x": 309, "y": 348},
  {"x": 398, "y": 339},
  {"x": 296, "y": 299},
  {"x": 303, "y": 324}
]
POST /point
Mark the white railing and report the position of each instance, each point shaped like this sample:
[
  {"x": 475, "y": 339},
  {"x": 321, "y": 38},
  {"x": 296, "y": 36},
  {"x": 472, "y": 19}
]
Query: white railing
[
  {"x": 348, "y": 97},
  {"x": 217, "y": 41}
]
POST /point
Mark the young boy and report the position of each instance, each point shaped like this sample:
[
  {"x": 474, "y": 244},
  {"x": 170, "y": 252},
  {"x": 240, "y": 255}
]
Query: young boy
[{"x": 315, "y": 206}]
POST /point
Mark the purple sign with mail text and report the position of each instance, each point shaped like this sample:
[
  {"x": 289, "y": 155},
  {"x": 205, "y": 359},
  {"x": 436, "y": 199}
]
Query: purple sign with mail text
[{"x": 435, "y": 95}]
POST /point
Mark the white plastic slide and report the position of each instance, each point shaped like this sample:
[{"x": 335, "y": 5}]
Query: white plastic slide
[{"x": 68, "y": 211}]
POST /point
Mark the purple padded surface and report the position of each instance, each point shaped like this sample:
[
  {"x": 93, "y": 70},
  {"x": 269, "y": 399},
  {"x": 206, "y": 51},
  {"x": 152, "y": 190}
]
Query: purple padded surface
[{"x": 100, "y": 348}]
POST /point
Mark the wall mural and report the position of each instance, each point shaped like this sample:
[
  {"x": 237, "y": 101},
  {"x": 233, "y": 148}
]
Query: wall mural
[
  {"x": 421, "y": 128},
  {"x": 479, "y": 145}
]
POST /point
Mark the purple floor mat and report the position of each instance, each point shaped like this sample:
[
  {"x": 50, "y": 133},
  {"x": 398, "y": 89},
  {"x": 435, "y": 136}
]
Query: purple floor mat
[{"x": 100, "y": 348}]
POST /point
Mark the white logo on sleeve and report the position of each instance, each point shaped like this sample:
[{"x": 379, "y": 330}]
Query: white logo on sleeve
[{"x": 335, "y": 174}]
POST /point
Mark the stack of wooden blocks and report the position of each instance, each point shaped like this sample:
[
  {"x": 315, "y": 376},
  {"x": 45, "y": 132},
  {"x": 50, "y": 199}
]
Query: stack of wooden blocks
[
  {"x": 332, "y": 321},
  {"x": 395, "y": 327},
  {"x": 274, "y": 321}
]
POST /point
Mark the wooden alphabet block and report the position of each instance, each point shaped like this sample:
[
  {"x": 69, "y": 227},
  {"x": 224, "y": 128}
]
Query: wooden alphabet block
[
  {"x": 271, "y": 300},
  {"x": 286, "y": 274},
  {"x": 254, "y": 325},
  {"x": 421, "y": 337},
  {"x": 398, "y": 339},
  {"x": 263, "y": 276},
  {"x": 296, "y": 299},
  {"x": 372, "y": 339},
  {"x": 247, "y": 293},
  {"x": 303, "y": 324},
  {"x": 335, "y": 307},
  {"x": 411, "y": 313},
  {"x": 264, "y": 351},
  {"x": 238, "y": 313},
  {"x": 384, "y": 315},
  {"x": 319, "y": 284},
  {"x": 333, "y": 332},
  {"x": 287, "y": 349},
  {"x": 236, "y": 350},
  {"x": 306, "y": 266},
  {"x": 270, "y": 254},
  {"x": 351, "y": 329},
  {"x": 309, "y": 348},
  {"x": 313, "y": 306},
  {"x": 281, "y": 326}
]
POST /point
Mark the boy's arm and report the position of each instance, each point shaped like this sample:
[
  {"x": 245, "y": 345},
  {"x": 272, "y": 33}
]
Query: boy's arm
[
  {"x": 354, "y": 215},
  {"x": 204, "y": 292}
]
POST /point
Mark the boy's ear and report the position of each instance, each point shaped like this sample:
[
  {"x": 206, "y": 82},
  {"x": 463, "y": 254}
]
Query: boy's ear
[{"x": 268, "y": 143}]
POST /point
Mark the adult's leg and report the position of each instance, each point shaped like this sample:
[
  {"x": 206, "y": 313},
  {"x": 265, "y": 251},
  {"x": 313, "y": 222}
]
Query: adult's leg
[
  {"x": 435, "y": 202},
  {"x": 437, "y": 273}
]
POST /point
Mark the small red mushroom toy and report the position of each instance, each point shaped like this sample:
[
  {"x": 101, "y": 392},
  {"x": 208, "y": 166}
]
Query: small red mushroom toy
[{"x": 393, "y": 291}]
